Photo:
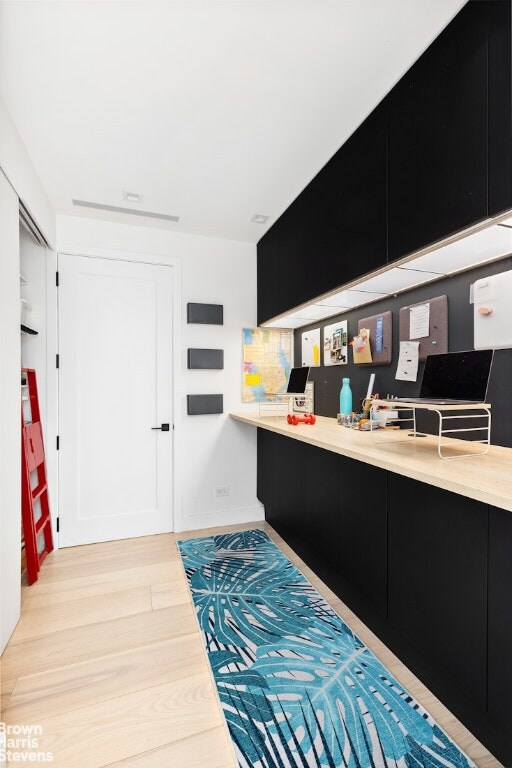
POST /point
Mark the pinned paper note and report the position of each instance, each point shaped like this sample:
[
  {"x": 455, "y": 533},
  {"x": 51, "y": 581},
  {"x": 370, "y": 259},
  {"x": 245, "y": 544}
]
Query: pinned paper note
[
  {"x": 419, "y": 322},
  {"x": 361, "y": 347},
  {"x": 407, "y": 369}
]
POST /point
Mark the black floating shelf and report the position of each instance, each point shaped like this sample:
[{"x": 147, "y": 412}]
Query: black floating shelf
[
  {"x": 197, "y": 405},
  {"x": 205, "y": 359},
  {"x": 28, "y": 331},
  {"x": 205, "y": 314}
]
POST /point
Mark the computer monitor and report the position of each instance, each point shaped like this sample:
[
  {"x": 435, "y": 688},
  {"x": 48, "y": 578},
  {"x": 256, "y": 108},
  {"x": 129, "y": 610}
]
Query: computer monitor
[
  {"x": 457, "y": 375},
  {"x": 297, "y": 381}
]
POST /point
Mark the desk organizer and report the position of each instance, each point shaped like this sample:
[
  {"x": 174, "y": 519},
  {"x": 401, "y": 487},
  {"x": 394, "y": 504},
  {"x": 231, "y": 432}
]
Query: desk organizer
[
  {"x": 205, "y": 359},
  {"x": 277, "y": 405},
  {"x": 198, "y": 405},
  {"x": 205, "y": 314}
]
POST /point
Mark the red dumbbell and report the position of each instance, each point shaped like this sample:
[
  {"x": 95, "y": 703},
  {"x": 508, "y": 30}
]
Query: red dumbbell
[{"x": 308, "y": 418}]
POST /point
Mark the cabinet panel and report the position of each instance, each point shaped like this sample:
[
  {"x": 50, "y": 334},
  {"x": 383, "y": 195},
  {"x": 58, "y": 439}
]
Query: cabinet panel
[
  {"x": 267, "y": 478},
  {"x": 362, "y": 167},
  {"x": 363, "y": 530},
  {"x": 500, "y": 617},
  {"x": 267, "y": 275},
  {"x": 321, "y": 521},
  {"x": 437, "y": 568},
  {"x": 438, "y": 137},
  {"x": 500, "y": 106},
  {"x": 291, "y": 233},
  {"x": 290, "y": 507},
  {"x": 323, "y": 268}
]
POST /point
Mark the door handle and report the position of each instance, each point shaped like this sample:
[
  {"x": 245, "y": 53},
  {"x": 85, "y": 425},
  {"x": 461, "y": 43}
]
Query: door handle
[{"x": 162, "y": 428}]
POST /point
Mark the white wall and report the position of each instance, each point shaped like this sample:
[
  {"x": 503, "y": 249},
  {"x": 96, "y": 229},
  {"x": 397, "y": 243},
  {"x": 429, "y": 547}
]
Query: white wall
[
  {"x": 19, "y": 169},
  {"x": 33, "y": 348},
  {"x": 214, "y": 450},
  {"x": 10, "y": 436}
]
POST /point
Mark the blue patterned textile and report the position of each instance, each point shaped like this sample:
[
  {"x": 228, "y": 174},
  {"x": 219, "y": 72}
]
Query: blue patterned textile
[{"x": 298, "y": 688}]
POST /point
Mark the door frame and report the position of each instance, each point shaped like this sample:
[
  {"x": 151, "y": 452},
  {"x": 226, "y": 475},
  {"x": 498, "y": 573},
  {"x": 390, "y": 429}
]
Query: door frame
[{"x": 52, "y": 456}]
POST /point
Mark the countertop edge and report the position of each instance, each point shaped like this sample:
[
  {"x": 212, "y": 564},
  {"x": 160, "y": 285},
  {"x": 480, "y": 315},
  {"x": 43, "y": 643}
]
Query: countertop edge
[{"x": 390, "y": 462}]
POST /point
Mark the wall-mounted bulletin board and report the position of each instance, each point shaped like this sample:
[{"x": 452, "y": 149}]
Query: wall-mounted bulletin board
[
  {"x": 311, "y": 348},
  {"x": 335, "y": 343},
  {"x": 381, "y": 336},
  {"x": 426, "y": 322}
]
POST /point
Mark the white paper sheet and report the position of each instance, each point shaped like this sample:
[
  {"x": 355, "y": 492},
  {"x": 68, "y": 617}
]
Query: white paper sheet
[
  {"x": 407, "y": 368},
  {"x": 419, "y": 324}
]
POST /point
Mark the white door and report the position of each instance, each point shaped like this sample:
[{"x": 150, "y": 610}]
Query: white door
[{"x": 115, "y": 387}]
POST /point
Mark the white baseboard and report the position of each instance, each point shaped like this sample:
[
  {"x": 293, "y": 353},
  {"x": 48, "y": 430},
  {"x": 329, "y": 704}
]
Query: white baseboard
[{"x": 225, "y": 517}]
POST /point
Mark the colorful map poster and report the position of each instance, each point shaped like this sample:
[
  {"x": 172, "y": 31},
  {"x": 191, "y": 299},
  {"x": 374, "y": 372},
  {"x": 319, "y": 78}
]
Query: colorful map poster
[{"x": 267, "y": 362}]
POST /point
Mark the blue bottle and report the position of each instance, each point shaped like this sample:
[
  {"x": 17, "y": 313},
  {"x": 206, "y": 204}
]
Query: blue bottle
[{"x": 345, "y": 398}]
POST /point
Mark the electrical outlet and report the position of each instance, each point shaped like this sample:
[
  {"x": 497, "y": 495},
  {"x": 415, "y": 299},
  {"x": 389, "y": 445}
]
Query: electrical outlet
[{"x": 222, "y": 490}]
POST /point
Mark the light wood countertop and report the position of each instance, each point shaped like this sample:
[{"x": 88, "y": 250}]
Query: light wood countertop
[{"x": 486, "y": 478}]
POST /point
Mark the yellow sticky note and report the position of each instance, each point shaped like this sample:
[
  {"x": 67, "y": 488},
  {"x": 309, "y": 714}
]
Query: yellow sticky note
[{"x": 252, "y": 379}]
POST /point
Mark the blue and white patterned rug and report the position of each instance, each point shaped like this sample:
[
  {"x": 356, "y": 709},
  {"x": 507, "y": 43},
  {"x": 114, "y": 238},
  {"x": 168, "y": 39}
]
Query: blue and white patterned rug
[{"x": 298, "y": 688}]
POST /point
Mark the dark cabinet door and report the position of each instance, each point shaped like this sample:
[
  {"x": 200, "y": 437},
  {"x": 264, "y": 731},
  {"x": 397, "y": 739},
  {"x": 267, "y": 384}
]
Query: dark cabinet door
[
  {"x": 500, "y": 619},
  {"x": 362, "y": 549},
  {"x": 267, "y": 256},
  {"x": 288, "y": 516},
  {"x": 321, "y": 516},
  {"x": 323, "y": 230},
  {"x": 437, "y": 570},
  {"x": 362, "y": 177},
  {"x": 268, "y": 467},
  {"x": 291, "y": 272},
  {"x": 438, "y": 137},
  {"x": 500, "y": 106}
]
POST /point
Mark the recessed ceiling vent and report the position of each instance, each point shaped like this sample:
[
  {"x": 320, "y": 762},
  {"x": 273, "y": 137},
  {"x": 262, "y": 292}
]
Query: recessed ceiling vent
[{"x": 130, "y": 211}]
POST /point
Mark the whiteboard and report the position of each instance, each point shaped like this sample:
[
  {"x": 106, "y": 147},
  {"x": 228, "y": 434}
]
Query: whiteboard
[{"x": 493, "y": 311}]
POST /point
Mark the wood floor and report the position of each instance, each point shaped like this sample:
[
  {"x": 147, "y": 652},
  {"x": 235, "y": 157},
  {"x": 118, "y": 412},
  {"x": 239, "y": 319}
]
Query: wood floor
[{"x": 107, "y": 659}]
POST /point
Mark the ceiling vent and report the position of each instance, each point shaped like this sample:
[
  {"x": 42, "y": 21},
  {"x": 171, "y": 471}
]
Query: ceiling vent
[
  {"x": 130, "y": 211},
  {"x": 133, "y": 197}
]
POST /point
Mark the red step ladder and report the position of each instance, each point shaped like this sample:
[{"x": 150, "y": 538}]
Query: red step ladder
[{"x": 32, "y": 460}]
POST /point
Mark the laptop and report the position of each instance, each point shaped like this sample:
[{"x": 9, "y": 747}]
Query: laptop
[
  {"x": 297, "y": 381},
  {"x": 455, "y": 378}
]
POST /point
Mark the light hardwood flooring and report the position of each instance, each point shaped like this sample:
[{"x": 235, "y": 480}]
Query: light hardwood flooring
[{"x": 107, "y": 658}]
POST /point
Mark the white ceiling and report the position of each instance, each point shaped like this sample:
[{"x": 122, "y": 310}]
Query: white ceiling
[{"x": 213, "y": 111}]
